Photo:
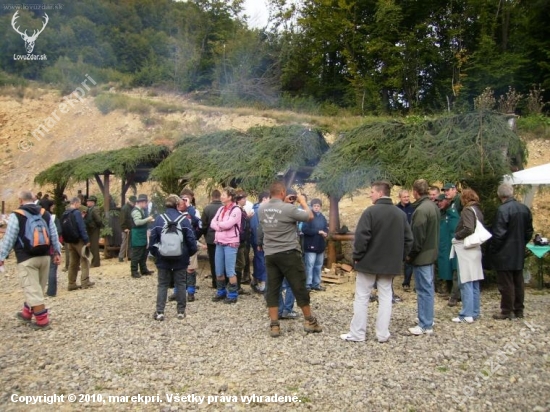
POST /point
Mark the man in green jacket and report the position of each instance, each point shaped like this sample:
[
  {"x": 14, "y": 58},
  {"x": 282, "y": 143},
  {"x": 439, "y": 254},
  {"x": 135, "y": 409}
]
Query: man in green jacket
[
  {"x": 126, "y": 227},
  {"x": 94, "y": 223},
  {"x": 138, "y": 237},
  {"x": 425, "y": 229}
]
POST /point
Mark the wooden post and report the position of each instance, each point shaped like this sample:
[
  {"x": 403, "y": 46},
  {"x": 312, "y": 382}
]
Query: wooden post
[
  {"x": 3, "y": 206},
  {"x": 334, "y": 226}
]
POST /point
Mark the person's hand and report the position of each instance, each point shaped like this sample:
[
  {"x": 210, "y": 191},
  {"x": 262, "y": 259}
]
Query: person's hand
[
  {"x": 126, "y": 230},
  {"x": 323, "y": 233},
  {"x": 151, "y": 219},
  {"x": 301, "y": 199},
  {"x": 87, "y": 244},
  {"x": 56, "y": 259},
  {"x": 1, "y": 263}
]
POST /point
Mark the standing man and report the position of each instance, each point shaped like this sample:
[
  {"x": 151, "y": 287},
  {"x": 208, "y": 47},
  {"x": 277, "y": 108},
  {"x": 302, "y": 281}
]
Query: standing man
[
  {"x": 33, "y": 257},
  {"x": 383, "y": 239},
  {"x": 208, "y": 214},
  {"x": 512, "y": 230},
  {"x": 94, "y": 223},
  {"x": 244, "y": 243},
  {"x": 425, "y": 229},
  {"x": 76, "y": 237},
  {"x": 283, "y": 254},
  {"x": 405, "y": 205},
  {"x": 452, "y": 215},
  {"x": 138, "y": 237},
  {"x": 126, "y": 227}
]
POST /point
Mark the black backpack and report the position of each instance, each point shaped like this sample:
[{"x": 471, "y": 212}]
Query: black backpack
[
  {"x": 244, "y": 228},
  {"x": 69, "y": 227}
]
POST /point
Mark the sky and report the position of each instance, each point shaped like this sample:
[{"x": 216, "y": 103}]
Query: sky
[{"x": 257, "y": 10}]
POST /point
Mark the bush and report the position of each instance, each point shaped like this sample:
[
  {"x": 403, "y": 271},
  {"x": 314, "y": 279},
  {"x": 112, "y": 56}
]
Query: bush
[{"x": 538, "y": 125}]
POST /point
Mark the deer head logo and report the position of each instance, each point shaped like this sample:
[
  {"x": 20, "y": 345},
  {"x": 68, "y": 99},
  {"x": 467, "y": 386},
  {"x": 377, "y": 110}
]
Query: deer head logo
[{"x": 29, "y": 40}]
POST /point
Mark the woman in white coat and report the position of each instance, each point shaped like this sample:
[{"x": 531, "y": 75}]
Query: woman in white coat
[{"x": 470, "y": 270}]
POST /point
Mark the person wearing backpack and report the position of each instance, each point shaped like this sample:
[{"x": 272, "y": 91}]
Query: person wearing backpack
[
  {"x": 172, "y": 242},
  {"x": 31, "y": 233},
  {"x": 75, "y": 236},
  {"x": 226, "y": 224}
]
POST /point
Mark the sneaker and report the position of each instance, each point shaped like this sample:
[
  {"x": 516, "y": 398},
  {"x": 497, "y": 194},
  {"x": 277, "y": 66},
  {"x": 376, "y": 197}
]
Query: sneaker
[
  {"x": 503, "y": 316},
  {"x": 452, "y": 302},
  {"x": 136, "y": 275},
  {"x": 417, "y": 330},
  {"x": 461, "y": 319},
  {"x": 396, "y": 299},
  {"x": 230, "y": 300},
  {"x": 21, "y": 317},
  {"x": 319, "y": 289},
  {"x": 275, "y": 330},
  {"x": 158, "y": 316},
  {"x": 406, "y": 288},
  {"x": 181, "y": 315},
  {"x": 312, "y": 326},
  {"x": 348, "y": 338},
  {"x": 289, "y": 315},
  {"x": 147, "y": 273},
  {"x": 417, "y": 321}
]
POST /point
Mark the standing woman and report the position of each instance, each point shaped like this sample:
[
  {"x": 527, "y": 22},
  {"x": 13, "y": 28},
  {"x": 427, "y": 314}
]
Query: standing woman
[
  {"x": 470, "y": 271},
  {"x": 315, "y": 233},
  {"x": 226, "y": 224}
]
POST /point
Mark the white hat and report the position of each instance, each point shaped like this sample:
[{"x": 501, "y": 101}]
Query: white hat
[{"x": 86, "y": 253}]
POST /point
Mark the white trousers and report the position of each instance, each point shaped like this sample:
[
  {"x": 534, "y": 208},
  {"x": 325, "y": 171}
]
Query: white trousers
[{"x": 364, "y": 284}]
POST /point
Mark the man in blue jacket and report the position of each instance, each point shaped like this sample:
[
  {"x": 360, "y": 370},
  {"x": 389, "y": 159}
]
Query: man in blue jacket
[{"x": 175, "y": 267}]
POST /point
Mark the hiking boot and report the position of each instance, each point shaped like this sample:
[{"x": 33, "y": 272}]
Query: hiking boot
[
  {"x": 406, "y": 288},
  {"x": 147, "y": 273},
  {"x": 274, "y": 329},
  {"x": 158, "y": 316},
  {"x": 311, "y": 325},
  {"x": 35, "y": 326},
  {"x": 181, "y": 315},
  {"x": 88, "y": 285},
  {"x": 190, "y": 297},
  {"x": 23, "y": 318},
  {"x": 136, "y": 275},
  {"x": 121, "y": 259},
  {"x": 503, "y": 316},
  {"x": 74, "y": 287},
  {"x": 172, "y": 297},
  {"x": 452, "y": 302},
  {"x": 230, "y": 300},
  {"x": 519, "y": 314},
  {"x": 218, "y": 298}
]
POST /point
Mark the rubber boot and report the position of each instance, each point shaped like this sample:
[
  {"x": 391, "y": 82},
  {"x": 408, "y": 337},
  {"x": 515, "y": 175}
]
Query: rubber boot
[
  {"x": 220, "y": 291},
  {"x": 191, "y": 282},
  {"x": 232, "y": 293},
  {"x": 42, "y": 320},
  {"x": 26, "y": 313}
]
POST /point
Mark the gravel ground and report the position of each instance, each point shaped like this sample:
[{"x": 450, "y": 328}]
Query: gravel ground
[{"x": 104, "y": 342}]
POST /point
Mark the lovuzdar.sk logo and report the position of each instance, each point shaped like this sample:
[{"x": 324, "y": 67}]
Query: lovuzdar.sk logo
[{"x": 29, "y": 40}]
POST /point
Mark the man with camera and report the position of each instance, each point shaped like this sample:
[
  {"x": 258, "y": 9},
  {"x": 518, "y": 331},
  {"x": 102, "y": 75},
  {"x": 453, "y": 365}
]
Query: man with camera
[{"x": 512, "y": 230}]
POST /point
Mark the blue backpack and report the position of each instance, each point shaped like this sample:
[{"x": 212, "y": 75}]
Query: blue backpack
[{"x": 36, "y": 240}]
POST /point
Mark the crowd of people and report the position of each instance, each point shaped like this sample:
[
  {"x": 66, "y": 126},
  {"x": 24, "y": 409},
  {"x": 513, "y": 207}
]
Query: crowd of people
[{"x": 429, "y": 239}]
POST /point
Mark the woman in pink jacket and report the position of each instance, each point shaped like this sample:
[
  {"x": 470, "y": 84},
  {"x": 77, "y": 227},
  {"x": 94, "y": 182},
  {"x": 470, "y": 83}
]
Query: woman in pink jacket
[{"x": 226, "y": 223}]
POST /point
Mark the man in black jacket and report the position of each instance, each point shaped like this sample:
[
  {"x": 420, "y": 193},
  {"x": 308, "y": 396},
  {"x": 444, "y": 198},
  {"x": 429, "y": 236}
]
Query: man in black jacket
[
  {"x": 383, "y": 239},
  {"x": 207, "y": 215},
  {"x": 512, "y": 230}
]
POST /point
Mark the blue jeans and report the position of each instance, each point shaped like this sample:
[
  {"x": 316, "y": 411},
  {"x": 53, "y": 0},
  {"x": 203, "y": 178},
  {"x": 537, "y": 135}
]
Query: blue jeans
[
  {"x": 258, "y": 265},
  {"x": 314, "y": 264},
  {"x": 424, "y": 283},
  {"x": 52, "y": 279},
  {"x": 469, "y": 292},
  {"x": 286, "y": 302},
  {"x": 226, "y": 258}
]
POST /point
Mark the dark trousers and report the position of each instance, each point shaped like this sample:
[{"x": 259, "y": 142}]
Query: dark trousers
[
  {"x": 164, "y": 278},
  {"x": 139, "y": 258},
  {"x": 512, "y": 291},
  {"x": 211, "y": 249},
  {"x": 289, "y": 265},
  {"x": 93, "y": 234},
  {"x": 246, "y": 271},
  {"x": 408, "y": 272}
]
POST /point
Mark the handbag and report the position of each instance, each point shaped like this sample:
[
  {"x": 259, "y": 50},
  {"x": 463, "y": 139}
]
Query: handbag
[{"x": 480, "y": 235}]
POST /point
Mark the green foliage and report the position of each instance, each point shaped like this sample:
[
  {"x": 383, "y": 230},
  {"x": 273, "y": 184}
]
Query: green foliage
[
  {"x": 107, "y": 102},
  {"x": 251, "y": 160},
  {"x": 474, "y": 148},
  {"x": 536, "y": 125}
]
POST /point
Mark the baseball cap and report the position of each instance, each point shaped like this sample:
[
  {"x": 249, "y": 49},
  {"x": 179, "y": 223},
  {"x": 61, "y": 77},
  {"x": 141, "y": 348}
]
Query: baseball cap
[
  {"x": 441, "y": 197},
  {"x": 448, "y": 186}
]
